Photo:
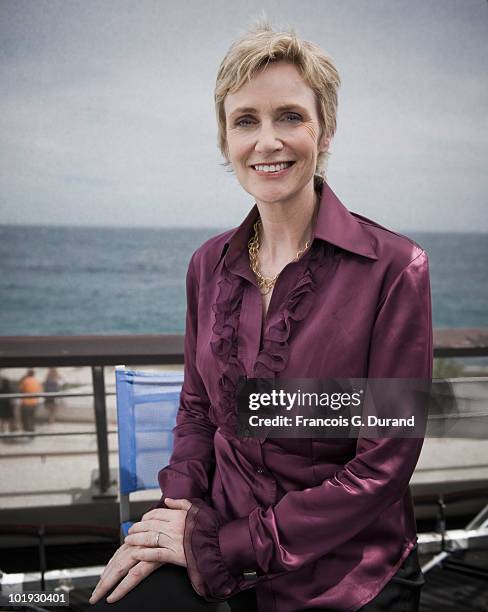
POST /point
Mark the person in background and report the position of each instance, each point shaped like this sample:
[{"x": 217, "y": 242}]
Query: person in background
[
  {"x": 52, "y": 384},
  {"x": 7, "y": 416},
  {"x": 28, "y": 405}
]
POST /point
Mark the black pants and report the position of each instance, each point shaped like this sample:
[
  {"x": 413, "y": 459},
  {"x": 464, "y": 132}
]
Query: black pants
[
  {"x": 28, "y": 417},
  {"x": 169, "y": 590}
]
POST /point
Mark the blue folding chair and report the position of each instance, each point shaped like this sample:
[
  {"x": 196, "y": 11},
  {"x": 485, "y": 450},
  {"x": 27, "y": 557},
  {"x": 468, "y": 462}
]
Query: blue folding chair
[{"x": 147, "y": 403}]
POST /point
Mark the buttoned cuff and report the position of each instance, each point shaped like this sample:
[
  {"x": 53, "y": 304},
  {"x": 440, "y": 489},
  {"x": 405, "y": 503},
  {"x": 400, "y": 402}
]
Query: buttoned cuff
[{"x": 237, "y": 549}]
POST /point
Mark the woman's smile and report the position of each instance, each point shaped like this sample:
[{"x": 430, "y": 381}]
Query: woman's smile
[
  {"x": 272, "y": 169},
  {"x": 272, "y": 129}
]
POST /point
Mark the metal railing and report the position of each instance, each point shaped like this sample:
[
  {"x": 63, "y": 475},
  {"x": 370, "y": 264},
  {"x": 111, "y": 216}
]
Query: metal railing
[
  {"x": 53, "y": 395},
  {"x": 101, "y": 431},
  {"x": 99, "y": 351},
  {"x": 94, "y": 352},
  {"x": 164, "y": 349}
]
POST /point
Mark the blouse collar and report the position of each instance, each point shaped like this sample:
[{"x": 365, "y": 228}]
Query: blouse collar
[{"x": 334, "y": 224}]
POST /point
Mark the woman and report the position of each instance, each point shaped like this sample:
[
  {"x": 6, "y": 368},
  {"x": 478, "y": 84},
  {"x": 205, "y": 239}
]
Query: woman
[{"x": 302, "y": 288}]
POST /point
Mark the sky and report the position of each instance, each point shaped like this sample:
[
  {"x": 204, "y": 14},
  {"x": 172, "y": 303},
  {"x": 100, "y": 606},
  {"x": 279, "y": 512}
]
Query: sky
[{"x": 107, "y": 117}]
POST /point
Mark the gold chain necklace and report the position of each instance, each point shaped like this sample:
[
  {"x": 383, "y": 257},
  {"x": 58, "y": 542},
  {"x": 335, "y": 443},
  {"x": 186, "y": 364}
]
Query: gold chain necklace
[{"x": 265, "y": 284}]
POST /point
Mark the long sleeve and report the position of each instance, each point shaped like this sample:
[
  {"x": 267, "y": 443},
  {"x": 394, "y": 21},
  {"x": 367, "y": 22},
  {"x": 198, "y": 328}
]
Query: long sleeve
[
  {"x": 187, "y": 475},
  {"x": 306, "y": 525}
]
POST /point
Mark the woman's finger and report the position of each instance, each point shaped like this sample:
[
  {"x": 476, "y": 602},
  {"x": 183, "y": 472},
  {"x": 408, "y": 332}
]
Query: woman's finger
[
  {"x": 177, "y": 504},
  {"x": 113, "y": 571},
  {"x": 135, "y": 575},
  {"x": 149, "y": 525},
  {"x": 167, "y": 514},
  {"x": 149, "y": 539},
  {"x": 113, "y": 559},
  {"x": 156, "y": 555},
  {"x": 119, "y": 565},
  {"x": 158, "y": 514}
]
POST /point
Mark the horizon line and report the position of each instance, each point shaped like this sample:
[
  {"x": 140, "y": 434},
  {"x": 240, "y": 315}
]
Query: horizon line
[{"x": 206, "y": 227}]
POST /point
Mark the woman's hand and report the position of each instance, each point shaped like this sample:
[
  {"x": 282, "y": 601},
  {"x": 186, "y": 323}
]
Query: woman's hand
[
  {"x": 131, "y": 563},
  {"x": 158, "y": 537},
  {"x": 123, "y": 567}
]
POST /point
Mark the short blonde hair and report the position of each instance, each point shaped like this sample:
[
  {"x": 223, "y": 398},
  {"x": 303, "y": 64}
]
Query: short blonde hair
[{"x": 262, "y": 45}]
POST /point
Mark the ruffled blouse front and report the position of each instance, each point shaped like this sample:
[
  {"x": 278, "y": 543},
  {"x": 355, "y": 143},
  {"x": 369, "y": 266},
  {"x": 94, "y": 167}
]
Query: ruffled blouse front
[
  {"x": 273, "y": 356},
  {"x": 310, "y": 523}
]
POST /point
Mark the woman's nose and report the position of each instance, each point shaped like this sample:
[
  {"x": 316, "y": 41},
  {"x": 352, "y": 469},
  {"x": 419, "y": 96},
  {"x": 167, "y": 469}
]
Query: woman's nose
[{"x": 267, "y": 139}]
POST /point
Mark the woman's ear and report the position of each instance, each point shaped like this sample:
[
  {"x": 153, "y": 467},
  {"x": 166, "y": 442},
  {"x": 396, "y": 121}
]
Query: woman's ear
[
  {"x": 324, "y": 143},
  {"x": 225, "y": 152}
]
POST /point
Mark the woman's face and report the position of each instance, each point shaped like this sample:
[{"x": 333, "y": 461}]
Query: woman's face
[{"x": 272, "y": 130}]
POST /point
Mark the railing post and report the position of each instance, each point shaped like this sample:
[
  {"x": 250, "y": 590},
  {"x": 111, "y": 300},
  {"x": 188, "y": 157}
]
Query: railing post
[
  {"x": 100, "y": 407},
  {"x": 41, "y": 532}
]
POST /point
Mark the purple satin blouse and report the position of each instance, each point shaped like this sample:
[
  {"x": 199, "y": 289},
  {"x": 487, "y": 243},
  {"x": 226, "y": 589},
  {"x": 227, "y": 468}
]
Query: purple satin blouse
[{"x": 311, "y": 523}]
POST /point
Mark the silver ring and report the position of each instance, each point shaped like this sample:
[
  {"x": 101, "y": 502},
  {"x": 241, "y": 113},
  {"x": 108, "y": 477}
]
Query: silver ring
[{"x": 156, "y": 542}]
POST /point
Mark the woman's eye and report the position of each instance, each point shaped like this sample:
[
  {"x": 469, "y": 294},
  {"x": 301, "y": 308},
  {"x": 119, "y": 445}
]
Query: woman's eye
[
  {"x": 244, "y": 122},
  {"x": 292, "y": 117}
]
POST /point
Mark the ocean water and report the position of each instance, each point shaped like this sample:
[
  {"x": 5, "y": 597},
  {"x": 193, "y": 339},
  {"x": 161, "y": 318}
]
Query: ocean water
[{"x": 72, "y": 280}]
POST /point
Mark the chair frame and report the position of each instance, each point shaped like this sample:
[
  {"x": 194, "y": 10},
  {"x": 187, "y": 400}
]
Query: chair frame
[{"x": 126, "y": 434}]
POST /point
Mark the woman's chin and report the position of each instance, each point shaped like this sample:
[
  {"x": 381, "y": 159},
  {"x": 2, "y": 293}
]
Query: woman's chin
[
  {"x": 271, "y": 196},
  {"x": 273, "y": 191}
]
